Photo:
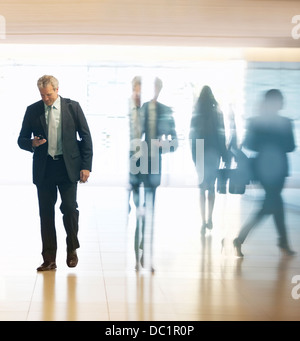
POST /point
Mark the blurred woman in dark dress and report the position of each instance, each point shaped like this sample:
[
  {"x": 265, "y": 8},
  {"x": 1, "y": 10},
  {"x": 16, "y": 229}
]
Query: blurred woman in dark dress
[{"x": 207, "y": 124}]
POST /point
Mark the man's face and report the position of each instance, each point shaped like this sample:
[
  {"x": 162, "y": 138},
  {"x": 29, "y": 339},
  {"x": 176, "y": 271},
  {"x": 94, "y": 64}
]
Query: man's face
[
  {"x": 48, "y": 94},
  {"x": 137, "y": 94}
]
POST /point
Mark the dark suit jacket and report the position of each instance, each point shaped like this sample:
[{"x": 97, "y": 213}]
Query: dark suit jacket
[
  {"x": 165, "y": 124},
  {"x": 272, "y": 138},
  {"x": 76, "y": 157}
]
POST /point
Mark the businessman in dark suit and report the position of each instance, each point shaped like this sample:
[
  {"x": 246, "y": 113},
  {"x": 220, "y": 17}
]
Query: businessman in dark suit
[
  {"x": 49, "y": 130},
  {"x": 159, "y": 136},
  {"x": 271, "y": 136}
]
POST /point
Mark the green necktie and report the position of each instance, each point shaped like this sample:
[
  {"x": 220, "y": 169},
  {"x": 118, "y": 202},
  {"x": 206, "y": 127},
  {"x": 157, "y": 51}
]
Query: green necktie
[{"x": 52, "y": 133}]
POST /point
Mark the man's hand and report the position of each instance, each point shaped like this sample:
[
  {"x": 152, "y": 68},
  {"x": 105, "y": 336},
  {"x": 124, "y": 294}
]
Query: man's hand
[
  {"x": 84, "y": 175},
  {"x": 36, "y": 142}
]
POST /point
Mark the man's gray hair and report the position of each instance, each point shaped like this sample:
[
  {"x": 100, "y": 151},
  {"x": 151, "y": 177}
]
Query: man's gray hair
[
  {"x": 45, "y": 80},
  {"x": 137, "y": 80}
]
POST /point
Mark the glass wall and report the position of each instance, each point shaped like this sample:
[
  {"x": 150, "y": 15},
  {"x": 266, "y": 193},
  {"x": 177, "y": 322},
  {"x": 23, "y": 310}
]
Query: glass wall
[{"x": 103, "y": 88}]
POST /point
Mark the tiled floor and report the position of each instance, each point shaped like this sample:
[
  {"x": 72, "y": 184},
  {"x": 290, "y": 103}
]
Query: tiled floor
[{"x": 193, "y": 281}]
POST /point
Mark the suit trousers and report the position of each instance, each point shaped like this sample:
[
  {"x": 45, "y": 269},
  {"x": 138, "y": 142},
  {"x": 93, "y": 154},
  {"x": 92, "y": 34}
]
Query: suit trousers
[
  {"x": 56, "y": 179},
  {"x": 272, "y": 205}
]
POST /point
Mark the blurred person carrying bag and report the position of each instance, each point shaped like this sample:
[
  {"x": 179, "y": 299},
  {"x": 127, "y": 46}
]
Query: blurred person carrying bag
[{"x": 237, "y": 176}]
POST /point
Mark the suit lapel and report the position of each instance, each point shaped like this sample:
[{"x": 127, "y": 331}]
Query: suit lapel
[
  {"x": 43, "y": 119},
  {"x": 64, "y": 109},
  {"x": 157, "y": 114}
]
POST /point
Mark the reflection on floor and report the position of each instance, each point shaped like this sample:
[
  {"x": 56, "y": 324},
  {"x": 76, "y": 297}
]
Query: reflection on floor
[{"x": 193, "y": 279}]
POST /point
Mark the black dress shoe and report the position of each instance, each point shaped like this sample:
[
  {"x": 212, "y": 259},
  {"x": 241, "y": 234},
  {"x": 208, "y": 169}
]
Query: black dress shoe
[
  {"x": 72, "y": 259},
  {"x": 238, "y": 247},
  {"x": 286, "y": 251},
  {"x": 46, "y": 266}
]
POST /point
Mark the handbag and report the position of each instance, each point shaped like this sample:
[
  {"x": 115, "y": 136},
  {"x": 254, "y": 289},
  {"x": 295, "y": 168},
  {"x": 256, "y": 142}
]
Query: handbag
[
  {"x": 237, "y": 181},
  {"x": 240, "y": 176},
  {"x": 222, "y": 179}
]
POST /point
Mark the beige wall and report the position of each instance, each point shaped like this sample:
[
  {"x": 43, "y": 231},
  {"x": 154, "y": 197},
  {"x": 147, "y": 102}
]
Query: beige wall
[{"x": 229, "y": 23}]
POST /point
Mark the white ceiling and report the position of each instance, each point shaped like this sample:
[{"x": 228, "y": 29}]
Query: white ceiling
[{"x": 222, "y": 23}]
